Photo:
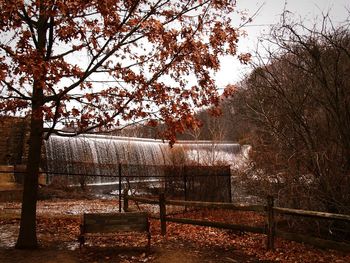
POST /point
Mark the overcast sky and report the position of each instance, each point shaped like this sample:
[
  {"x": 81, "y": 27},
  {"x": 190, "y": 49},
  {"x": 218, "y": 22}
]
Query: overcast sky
[{"x": 307, "y": 10}]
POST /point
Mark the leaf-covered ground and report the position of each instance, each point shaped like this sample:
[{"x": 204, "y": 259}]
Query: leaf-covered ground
[{"x": 58, "y": 227}]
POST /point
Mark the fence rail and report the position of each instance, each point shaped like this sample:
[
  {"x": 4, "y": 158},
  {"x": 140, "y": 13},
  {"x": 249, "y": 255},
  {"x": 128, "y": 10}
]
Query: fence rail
[
  {"x": 256, "y": 208},
  {"x": 313, "y": 214},
  {"x": 244, "y": 228},
  {"x": 269, "y": 210}
]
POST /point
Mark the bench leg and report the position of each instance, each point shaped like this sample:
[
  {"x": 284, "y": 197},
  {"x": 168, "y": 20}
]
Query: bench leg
[
  {"x": 81, "y": 237},
  {"x": 149, "y": 241},
  {"x": 81, "y": 240},
  {"x": 148, "y": 235}
]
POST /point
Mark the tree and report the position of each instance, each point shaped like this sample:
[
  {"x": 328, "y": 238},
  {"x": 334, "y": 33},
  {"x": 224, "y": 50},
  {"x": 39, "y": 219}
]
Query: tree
[
  {"x": 299, "y": 101},
  {"x": 96, "y": 65}
]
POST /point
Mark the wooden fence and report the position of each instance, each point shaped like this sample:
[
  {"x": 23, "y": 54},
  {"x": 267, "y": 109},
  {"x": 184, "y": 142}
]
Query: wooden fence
[{"x": 269, "y": 228}]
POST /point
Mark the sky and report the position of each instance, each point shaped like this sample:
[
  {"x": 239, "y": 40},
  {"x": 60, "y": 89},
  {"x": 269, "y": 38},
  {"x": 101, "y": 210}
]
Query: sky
[{"x": 269, "y": 14}]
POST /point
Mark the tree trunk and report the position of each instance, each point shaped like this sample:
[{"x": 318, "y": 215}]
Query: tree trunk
[{"x": 27, "y": 234}]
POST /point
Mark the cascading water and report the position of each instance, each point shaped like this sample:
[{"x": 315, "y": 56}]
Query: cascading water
[
  {"x": 101, "y": 155},
  {"x": 211, "y": 153}
]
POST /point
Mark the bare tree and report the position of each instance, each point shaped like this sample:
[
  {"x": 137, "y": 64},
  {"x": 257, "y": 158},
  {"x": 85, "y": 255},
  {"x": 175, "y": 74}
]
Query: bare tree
[{"x": 298, "y": 100}]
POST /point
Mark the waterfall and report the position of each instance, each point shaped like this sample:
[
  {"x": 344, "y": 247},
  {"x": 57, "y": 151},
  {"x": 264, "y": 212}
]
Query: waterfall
[
  {"x": 100, "y": 155},
  {"x": 211, "y": 153}
]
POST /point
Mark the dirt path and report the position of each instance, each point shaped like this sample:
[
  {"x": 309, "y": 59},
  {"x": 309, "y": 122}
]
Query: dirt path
[
  {"x": 37, "y": 256},
  {"x": 195, "y": 256},
  {"x": 176, "y": 257},
  {"x": 157, "y": 255}
]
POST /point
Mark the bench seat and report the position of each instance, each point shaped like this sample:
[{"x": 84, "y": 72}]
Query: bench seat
[{"x": 105, "y": 223}]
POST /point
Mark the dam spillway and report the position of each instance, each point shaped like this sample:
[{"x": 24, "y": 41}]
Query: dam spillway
[
  {"x": 200, "y": 170},
  {"x": 98, "y": 157},
  {"x": 100, "y": 154}
]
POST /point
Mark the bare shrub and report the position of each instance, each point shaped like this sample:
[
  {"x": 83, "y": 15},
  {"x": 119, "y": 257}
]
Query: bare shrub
[{"x": 297, "y": 102}]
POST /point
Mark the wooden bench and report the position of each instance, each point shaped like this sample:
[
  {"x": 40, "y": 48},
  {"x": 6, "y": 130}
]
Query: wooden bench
[{"x": 113, "y": 223}]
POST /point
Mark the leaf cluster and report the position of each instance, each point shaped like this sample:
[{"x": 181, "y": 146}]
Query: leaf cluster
[{"x": 96, "y": 65}]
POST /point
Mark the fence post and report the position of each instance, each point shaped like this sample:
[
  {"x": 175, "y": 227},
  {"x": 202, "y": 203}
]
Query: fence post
[
  {"x": 162, "y": 213},
  {"x": 185, "y": 185},
  {"x": 185, "y": 182},
  {"x": 270, "y": 223},
  {"x": 126, "y": 201},
  {"x": 120, "y": 186},
  {"x": 230, "y": 183}
]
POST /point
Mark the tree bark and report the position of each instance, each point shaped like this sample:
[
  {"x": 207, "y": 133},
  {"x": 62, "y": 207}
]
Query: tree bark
[{"x": 27, "y": 234}]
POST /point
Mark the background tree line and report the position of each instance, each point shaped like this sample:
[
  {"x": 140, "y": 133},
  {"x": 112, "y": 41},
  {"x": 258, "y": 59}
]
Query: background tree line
[{"x": 296, "y": 108}]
